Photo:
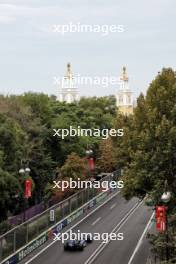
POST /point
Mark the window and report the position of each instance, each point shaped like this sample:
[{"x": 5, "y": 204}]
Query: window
[
  {"x": 121, "y": 99},
  {"x": 128, "y": 99}
]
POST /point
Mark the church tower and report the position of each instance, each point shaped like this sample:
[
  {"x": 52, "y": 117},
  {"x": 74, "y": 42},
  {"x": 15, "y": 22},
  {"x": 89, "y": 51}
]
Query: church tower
[
  {"x": 68, "y": 92},
  {"x": 124, "y": 96}
]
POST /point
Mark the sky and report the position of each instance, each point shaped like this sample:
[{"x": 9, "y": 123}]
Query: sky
[{"x": 32, "y": 54}]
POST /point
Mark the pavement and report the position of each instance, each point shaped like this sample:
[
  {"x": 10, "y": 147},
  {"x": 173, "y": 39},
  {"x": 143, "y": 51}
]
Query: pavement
[{"x": 132, "y": 218}]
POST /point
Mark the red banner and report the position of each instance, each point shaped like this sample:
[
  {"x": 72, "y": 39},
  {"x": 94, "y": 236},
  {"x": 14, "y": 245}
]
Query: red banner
[
  {"x": 91, "y": 164},
  {"x": 161, "y": 218},
  {"x": 28, "y": 188}
]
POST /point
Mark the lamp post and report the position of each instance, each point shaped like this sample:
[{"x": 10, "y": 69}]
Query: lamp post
[
  {"x": 24, "y": 171},
  {"x": 89, "y": 153},
  {"x": 166, "y": 196}
]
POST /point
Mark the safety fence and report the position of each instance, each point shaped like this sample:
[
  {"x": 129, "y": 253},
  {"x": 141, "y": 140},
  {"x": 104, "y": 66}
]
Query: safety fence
[{"x": 18, "y": 237}]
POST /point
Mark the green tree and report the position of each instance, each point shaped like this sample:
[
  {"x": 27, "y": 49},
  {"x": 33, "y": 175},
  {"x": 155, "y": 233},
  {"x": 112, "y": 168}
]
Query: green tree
[
  {"x": 148, "y": 152},
  {"x": 153, "y": 159},
  {"x": 74, "y": 167},
  {"x": 106, "y": 161}
]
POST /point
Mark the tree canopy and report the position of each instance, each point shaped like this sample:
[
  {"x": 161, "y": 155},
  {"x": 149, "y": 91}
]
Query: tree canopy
[{"x": 26, "y": 132}]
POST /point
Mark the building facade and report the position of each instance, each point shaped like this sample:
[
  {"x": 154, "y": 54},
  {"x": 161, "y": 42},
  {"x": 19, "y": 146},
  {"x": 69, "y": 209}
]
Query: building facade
[
  {"x": 124, "y": 96},
  {"x": 68, "y": 92}
]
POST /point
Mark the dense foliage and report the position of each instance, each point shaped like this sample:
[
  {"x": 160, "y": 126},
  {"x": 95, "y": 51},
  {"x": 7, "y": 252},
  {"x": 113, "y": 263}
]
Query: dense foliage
[
  {"x": 148, "y": 149},
  {"x": 146, "y": 152},
  {"x": 26, "y": 133}
]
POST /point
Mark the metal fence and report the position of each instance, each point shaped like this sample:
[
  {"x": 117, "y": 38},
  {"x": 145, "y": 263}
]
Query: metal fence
[
  {"x": 27, "y": 214},
  {"x": 19, "y": 236}
]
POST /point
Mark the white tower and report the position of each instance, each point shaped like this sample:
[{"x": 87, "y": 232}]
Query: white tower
[
  {"x": 68, "y": 92},
  {"x": 124, "y": 96}
]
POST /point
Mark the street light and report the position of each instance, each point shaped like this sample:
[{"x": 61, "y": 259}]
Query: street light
[
  {"x": 89, "y": 153},
  {"x": 166, "y": 196},
  {"x": 27, "y": 170},
  {"x": 21, "y": 171},
  {"x": 24, "y": 170}
]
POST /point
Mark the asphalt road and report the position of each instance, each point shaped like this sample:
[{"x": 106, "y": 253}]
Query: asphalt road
[{"x": 129, "y": 218}]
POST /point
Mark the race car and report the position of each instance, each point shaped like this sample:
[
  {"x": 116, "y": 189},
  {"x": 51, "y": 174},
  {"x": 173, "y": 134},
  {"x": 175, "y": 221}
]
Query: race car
[
  {"x": 88, "y": 239},
  {"x": 77, "y": 244}
]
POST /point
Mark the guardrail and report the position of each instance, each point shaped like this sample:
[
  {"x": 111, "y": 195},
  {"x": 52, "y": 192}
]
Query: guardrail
[{"x": 20, "y": 236}]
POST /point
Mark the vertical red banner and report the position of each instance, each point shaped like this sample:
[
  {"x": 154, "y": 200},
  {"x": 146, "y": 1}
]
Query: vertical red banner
[
  {"x": 161, "y": 218},
  {"x": 91, "y": 164},
  {"x": 28, "y": 188}
]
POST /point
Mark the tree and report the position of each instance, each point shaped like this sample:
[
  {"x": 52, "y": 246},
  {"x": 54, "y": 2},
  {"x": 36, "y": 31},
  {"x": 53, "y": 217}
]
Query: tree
[
  {"x": 26, "y": 132},
  {"x": 74, "y": 167},
  {"x": 106, "y": 161},
  {"x": 9, "y": 189},
  {"x": 153, "y": 159},
  {"x": 149, "y": 152}
]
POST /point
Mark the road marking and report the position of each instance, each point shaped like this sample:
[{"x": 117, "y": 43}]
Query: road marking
[
  {"x": 40, "y": 252},
  {"x": 141, "y": 238},
  {"x": 115, "y": 230},
  {"x": 112, "y": 206},
  {"x": 150, "y": 226},
  {"x": 96, "y": 221}
]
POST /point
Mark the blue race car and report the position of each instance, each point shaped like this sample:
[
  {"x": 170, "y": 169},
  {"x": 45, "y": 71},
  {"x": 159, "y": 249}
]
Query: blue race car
[{"x": 75, "y": 245}]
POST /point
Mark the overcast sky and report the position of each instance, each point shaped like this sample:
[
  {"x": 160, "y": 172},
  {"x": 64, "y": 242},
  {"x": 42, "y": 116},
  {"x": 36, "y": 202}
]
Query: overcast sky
[{"x": 31, "y": 54}]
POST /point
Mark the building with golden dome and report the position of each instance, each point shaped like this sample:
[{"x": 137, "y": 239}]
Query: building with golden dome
[{"x": 124, "y": 96}]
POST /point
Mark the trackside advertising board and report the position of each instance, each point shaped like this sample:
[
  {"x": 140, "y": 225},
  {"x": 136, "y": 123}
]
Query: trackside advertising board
[
  {"x": 27, "y": 250},
  {"x": 21, "y": 254}
]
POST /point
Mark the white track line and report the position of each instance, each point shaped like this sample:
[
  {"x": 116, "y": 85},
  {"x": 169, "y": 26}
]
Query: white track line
[
  {"x": 112, "y": 206},
  {"x": 141, "y": 238},
  {"x": 115, "y": 230},
  {"x": 96, "y": 221},
  {"x": 40, "y": 252}
]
